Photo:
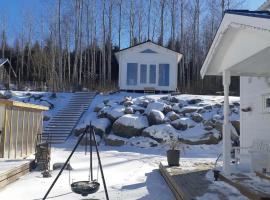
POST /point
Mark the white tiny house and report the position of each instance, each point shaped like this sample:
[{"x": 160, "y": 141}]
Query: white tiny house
[{"x": 148, "y": 65}]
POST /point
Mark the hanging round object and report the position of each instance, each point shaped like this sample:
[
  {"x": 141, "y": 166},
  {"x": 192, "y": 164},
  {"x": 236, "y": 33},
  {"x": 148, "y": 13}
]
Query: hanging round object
[{"x": 85, "y": 187}]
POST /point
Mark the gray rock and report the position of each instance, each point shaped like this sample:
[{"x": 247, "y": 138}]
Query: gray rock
[
  {"x": 138, "y": 108},
  {"x": 172, "y": 116},
  {"x": 207, "y": 138},
  {"x": 60, "y": 165},
  {"x": 194, "y": 101},
  {"x": 46, "y": 118},
  {"x": 187, "y": 110},
  {"x": 236, "y": 125},
  {"x": 99, "y": 107},
  {"x": 208, "y": 128},
  {"x": 114, "y": 142},
  {"x": 101, "y": 126},
  {"x": 160, "y": 133},
  {"x": 129, "y": 110},
  {"x": 129, "y": 125},
  {"x": 127, "y": 103},
  {"x": 167, "y": 109},
  {"x": 218, "y": 126},
  {"x": 196, "y": 117},
  {"x": 155, "y": 117},
  {"x": 179, "y": 125},
  {"x": 155, "y": 106},
  {"x": 143, "y": 103}
]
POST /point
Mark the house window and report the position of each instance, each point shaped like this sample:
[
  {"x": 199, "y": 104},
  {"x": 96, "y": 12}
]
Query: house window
[
  {"x": 148, "y": 51},
  {"x": 164, "y": 74},
  {"x": 152, "y": 74},
  {"x": 132, "y": 73},
  {"x": 143, "y": 74},
  {"x": 266, "y": 103}
]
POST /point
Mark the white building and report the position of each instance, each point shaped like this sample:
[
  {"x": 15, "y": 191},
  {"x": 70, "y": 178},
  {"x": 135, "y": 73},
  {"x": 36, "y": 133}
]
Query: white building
[
  {"x": 148, "y": 66},
  {"x": 241, "y": 47}
]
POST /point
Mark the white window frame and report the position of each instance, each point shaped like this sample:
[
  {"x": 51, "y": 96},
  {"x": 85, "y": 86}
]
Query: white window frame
[{"x": 265, "y": 98}]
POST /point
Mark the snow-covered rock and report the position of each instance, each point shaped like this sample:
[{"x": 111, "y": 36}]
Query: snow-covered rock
[
  {"x": 101, "y": 126},
  {"x": 129, "y": 110},
  {"x": 155, "y": 106},
  {"x": 127, "y": 103},
  {"x": 188, "y": 109},
  {"x": 86, "y": 141},
  {"x": 177, "y": 108},
  {"x": 99, "y": 107},
  {"x": 194, "y": 101},
  {"x": 143, "y": 142},
  {"x": 161, "y": 133},
  {"x": 172, "y": 116},
  {"x": 113, "y": 140},
  {"x": 155, "y": 117},
  {"x": 138, "y": 108},
  {"x": 116, "y": 112},
  {"x": 130, "y": 125},
  {"x": 167, "y": 109},
  {"x": 196, "y": 117},
  {"x": 179, "y": 124},
  {"x": 103, "y": 112},
  {"x": 207, "y": 138}
]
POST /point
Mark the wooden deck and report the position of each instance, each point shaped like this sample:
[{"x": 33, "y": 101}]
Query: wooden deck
[
  {"x": 11, "y": 170},
  {"x": 252, "y": 187},
  {"x": 187, "y": 184}
]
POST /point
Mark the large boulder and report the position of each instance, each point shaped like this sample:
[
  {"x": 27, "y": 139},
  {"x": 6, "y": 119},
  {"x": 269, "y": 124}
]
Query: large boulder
[
  {"x": 177, "y": 107},
  {"x": 130, "y": 125},
  {"x": 196, "y": 117},
  {"x": 172, "y": 116},
  {"x": 99, "y": 107},
  {"x": 155, "y": 117},
  {"x": 167, "y": 109},
  {"x": 236, "y": 125},
  {"x": 143, "y": 142},
  {"x": 143, "y": 103},
  {"x": 155, "y": 106},
  {"x": 127, "y": 103},
  {"x": 194, "y": 101},
  {"x": 113, "y": 140},
  {"x": 188, "y": 109},
  {"x": 101, "y": 126},
  {"x": 207, "y": 138},
  {"x": 138, "y": 108},
  {"x": 103, "y": 112},
  {"x": 129, "y": 110},
  {"x": 179, "y": 124},
  {"x": 161, "y": 132},
  {"x": 115, "y": 113},
  {"x": 86, "y": 141}
]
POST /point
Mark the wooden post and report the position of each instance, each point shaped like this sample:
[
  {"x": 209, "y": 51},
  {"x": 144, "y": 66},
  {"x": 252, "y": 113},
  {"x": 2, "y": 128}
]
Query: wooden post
[
  {"x": 3, "y": 140},
  {"x": 10, "y": 131},
  {"x": 17, "y": 130},
  {"x": 23, "y": 133},
  {"x": 28, "y": 130},
  {"x": 226, "y": 125}
]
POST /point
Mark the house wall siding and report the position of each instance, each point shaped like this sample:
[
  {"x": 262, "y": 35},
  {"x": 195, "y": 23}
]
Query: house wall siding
[{"x": 254, "y": 124}]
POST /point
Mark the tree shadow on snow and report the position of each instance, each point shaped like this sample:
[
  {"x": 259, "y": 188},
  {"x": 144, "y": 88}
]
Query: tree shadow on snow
[{"x": 156, "y": 186}]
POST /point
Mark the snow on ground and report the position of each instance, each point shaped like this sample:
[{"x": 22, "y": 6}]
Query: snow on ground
[
  {"x": 55, "y": 101},
  {"x": 131, "y": 171}
]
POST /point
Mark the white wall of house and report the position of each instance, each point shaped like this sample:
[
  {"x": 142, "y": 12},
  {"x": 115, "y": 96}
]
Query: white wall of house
[
  {"x": 135, "y": 55},
  {"x": 254, "y": 124}
]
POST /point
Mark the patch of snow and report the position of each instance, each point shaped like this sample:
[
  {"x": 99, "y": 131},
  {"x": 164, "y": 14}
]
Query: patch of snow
[
  {"x": 136, "y": 121},
  {"x": 162, "y": 131},
  {"x": 101, "y": 123}
]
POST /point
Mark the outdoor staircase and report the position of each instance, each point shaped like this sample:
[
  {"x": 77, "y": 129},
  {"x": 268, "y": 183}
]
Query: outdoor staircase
[{"x": 64, "y": 122}]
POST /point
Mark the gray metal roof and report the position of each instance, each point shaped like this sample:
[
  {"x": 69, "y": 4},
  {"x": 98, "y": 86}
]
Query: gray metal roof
[
  {"x": 6, "y": 63},
  {"x": 3, "y": 61}
]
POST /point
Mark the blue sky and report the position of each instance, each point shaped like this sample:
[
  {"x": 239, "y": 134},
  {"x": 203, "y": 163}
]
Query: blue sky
[{"x": 13, "y": 10}]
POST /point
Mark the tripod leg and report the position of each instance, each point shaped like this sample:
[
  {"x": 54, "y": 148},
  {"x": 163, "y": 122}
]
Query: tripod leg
[{"x": 99, "y": 161}]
